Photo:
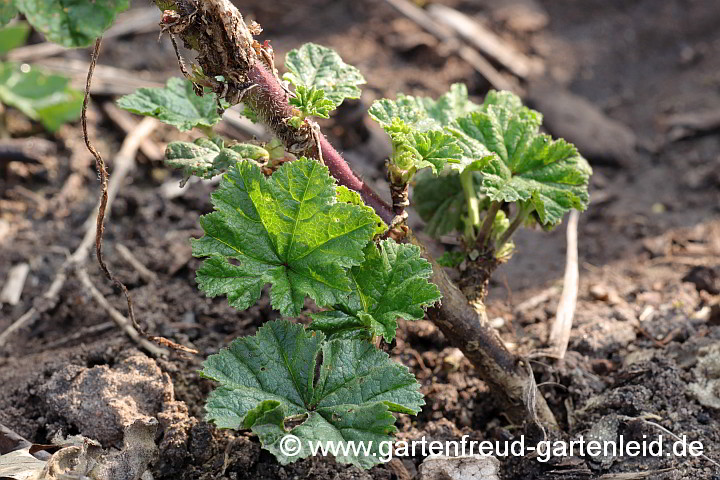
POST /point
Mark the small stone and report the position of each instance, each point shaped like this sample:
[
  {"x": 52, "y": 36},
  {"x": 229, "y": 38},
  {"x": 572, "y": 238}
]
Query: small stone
[
  {"x": 454, "y": 359},
  {"x": 497, "y": 322},
  {"x": 599, "y": 292}
]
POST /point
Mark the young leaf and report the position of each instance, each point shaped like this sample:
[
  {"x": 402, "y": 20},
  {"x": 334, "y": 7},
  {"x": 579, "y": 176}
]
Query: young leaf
[
  {"x": 551, "y": 174},
  {"x": 321, "y": 68},
  {"x": 429, "y": 149},
  {"x": 399, "y": 115},
  {"x": 520, "y": 164},
  {"x": 43, "y": 97},
  {"x": 288, "y": 230},
  {"x": 71, "y": 23},
  {"x": 504, "y": 99},
  {"x": 391, "y": 283},
  {"x": 269, "y": 377},
  {"x": 414, "y": 147},
  {"x": 416, "y": 126},
  {"x": 423, "y": 113},
  {"x": 312, "y": 102},
  {"x": 175, "y": 104},
  {"x": 206, "y": 158},
  {"x": 13, "y": 36},
  {"x": 448, "y": 107}
]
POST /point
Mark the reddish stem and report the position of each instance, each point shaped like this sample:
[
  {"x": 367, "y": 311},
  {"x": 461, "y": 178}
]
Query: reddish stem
[
  {"x": 270, "y": 102},
  {"x": 345, "y": 176}
]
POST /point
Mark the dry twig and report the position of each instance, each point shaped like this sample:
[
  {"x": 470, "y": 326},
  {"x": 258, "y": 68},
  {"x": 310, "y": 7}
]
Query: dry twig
[
  {"x": 560, "y": 332},
  {"x": 124, "y": 163},
  {"x": 447, "y": 37},
  {"x": 15, "y": 284},
  {"x": 146, "y": 274},
  {"x": 486, "y": 41}
]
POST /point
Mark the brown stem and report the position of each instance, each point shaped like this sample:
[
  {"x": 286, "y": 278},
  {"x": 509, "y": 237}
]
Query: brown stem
[
  {"x": 216, "y": 30},
  {"x": 468, "y": 329},
  {"x": 400, "y": 193},
  {"x": 475, "y": 278}
]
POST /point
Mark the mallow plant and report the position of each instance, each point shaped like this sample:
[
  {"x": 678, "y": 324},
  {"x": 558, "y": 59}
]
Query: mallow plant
[{"x": 292, "y": 215}]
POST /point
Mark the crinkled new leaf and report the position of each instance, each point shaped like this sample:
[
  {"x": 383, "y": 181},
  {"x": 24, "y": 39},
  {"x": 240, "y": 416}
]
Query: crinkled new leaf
[
  {"x": 312, "y": 102},
  {"x": 175, "y": 104},
  {"x": 424, "y": 113},
  {"x": 288, "y": 230},
  {"x": 417, "y": 125},
  {"x": 274, "y": 375},
  {"x": 320, "y": 68},
  {"x": 391, "y": 283}
]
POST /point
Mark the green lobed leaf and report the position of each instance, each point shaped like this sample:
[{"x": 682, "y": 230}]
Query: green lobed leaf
[
  {"x": 267, "y": 378},
  {"x": 424, "y": 113},
  {"x": 393, "y": 115},
  {"x": 71, "y": 23},
  {"x": 520, "y": 164},
  {"x": 418, "y": 150},
  {"x": 206, "y": 158},
  {"x": 550, "y": 174},
  {"x": 391, "y": 283},
  {"x": 320, "y": 68},
  {"x": 175, "y": 104},
  {"x": 288, "y": 230},
  {"x": 417, "y": 127},
  {"x": 312, "y": 102},
  {"x": 453, "y": 104},
  {"x": 44, "y": 97},
  {"x": 352, "y": 197},
  {"x": 13, "y": 36},
  {"x": 370, "y": 424}
]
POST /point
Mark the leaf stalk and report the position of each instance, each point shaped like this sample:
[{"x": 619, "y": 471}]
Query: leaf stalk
[
  {"x": 473, "y": 203},
  {"x": 524, "y": 209},
  {"x": 484, "y": 234}
]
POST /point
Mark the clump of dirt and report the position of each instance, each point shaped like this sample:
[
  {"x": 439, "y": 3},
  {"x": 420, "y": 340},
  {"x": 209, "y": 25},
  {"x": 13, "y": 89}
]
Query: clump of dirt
[{"x": 102, "y": 401}]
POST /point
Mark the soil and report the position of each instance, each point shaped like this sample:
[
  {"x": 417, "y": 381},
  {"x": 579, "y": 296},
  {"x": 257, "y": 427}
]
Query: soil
[{"x": 645, "y": 341}]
